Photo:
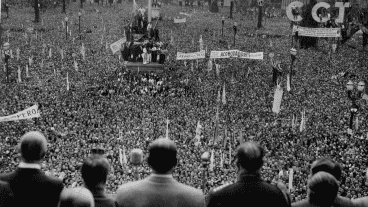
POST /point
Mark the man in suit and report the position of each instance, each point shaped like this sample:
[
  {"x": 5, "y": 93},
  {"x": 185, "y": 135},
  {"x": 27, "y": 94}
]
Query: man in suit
[
  {"x": 30, "y": 185},
  {"x": 322, "y": 190},
  {"x": 249, "y": 189},
  {"x": 6, "y": 195},
  {"x": 94, "y": 173},
  {"x": 76, "y": 197},
  {"x": 329, "y": 166},
  {"x": 160, "y": 188}
]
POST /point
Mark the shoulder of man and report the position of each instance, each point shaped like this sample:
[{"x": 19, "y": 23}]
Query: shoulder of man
[
  {"x": 346, "y": 202},
  {"x": 220, "y": 189}
]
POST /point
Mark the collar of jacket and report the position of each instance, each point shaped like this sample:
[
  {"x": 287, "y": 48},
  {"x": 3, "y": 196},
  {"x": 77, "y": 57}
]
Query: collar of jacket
[
  {"x": 29, "y": 165},
  {"x": 247, "y": 176},
  {"x": 159, "y": 178}
]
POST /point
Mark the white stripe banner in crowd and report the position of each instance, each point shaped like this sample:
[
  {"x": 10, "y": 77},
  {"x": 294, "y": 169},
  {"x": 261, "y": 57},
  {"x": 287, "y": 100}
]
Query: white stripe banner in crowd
[
  {"x": 185, "y": 14},
  {"x": 116, "y": 46},
  {"x": 177, "y": 21},
  {"x": 237, "y": 54},
  {"x": 191, "y": 56},
  {"x": 29, "y": 113},
  {"x": 291, "y": 177},
  {"x": 317, "y": 32},
  {"x": 277, "y": 99}
]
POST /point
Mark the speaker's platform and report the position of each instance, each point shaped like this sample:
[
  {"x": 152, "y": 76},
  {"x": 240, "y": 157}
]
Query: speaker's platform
[{"x": 150, "y": 67}]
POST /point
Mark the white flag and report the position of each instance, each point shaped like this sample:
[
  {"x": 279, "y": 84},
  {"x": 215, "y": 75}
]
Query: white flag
[
  {"x": 167, "y": 128},
  {"x": 288, "y": 82},
  {"x": 198, "y": 134},
  {"x": 212, "y": 161},
  {"x": 50, "y": 53},
  {"x": 18, "y": 53},
  {"x": 121, "y": 157},
  {"x": 27, "y": 74},
  {"x": 19, "y": 75},
  {"x": 291, "y": 177},
  {"x": 67, "y": 81}
]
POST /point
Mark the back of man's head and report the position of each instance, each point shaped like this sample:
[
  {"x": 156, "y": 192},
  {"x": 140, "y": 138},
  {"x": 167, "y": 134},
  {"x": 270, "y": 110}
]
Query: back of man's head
[
  {"x": 162, "y": 155},
  {"x": 95, "y": 170},
  {"x": 33, "y": 147},
  {"x": 326, "y": 165},
  {"x": 76, "y": 197},
  {"x": 322, "y": 189},
  {"x": 249, "y": 156}
]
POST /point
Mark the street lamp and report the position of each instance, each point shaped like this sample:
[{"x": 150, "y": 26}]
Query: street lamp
[
  {"x": 223, "y": 22},
  {"x": 6, "y": 48},
  {"x": 205, "y": 159},
  {"x": 354, "y": 97},
  {"x": 66, "y": 27},
  {"x": 79, "y": 17},
  {"x": 235, "y": 30}
]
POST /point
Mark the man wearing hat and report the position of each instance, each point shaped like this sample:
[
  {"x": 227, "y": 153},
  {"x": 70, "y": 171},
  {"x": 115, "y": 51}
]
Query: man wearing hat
[{"x": 160, "y": 188}]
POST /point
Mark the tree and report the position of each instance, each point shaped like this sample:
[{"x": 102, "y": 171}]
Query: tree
[{"x": 37, "y": 11}]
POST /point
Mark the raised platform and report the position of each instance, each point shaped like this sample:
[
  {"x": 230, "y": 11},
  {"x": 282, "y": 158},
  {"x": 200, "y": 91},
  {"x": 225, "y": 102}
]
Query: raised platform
[{"x": 151, "y": 67}]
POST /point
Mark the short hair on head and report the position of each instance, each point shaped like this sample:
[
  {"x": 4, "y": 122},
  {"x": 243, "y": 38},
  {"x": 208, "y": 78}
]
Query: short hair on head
[
  {"x": 95, "y": 170},
  {"x": 250, "y": 156},
  {"x": 322, "y": 189},
  {"x": 33, "y": 146},
  {"x": 325, "y": 164},
  {"x": 162, "y": 155},
  {"x": 76, "y": 197}
]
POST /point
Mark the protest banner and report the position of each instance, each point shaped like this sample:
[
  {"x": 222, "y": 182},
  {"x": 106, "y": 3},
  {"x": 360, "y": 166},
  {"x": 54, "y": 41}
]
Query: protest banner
[
  {"x": 236, "y": 54},
  {"x": 178, "y": 21},
  {"x": 191, "y": 56},
  {"x": 317, "y": 32},
  {"x": 185, "y": 14},
  {"x": 116, "y": 46},
  {"x": 29, "y": 113},
  {"x": 276, "y": 106}
]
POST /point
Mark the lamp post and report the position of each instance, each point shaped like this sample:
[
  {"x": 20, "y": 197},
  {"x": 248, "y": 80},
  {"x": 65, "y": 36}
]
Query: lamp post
[
  {"x": 205, "y": 159},
  {"x": 79, "y": 18},
  {"x": 66, "y": 27},
  {"x": 235, "y": 30},
  {"x": 354, "y": 97},
  {"x": 223, "y": 22},
  {"x": 6, "y": 48}
]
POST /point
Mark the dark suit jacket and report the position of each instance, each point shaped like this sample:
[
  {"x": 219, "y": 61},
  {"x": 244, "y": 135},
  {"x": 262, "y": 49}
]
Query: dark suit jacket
[
  {"x": 101, "y": 199},
  {"x": 157, "y": 190},
  {"x": 249, "y": 190},
  {"x": 339, "y": 202},
  {"x": 31, "y": 187},
  {"x": 6, "y": 195}
]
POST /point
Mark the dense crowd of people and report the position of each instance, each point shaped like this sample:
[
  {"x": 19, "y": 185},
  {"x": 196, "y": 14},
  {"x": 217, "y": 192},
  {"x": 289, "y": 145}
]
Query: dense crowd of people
[{"x": 105, "y": 99}]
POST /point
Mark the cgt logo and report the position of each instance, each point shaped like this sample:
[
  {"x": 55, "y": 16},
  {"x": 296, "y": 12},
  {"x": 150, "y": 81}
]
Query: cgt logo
[{"x": 296, "y": 17}]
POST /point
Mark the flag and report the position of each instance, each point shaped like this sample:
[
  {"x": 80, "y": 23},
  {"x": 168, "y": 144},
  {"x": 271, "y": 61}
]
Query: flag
[
  {"x": 19, "y": 75},
  {"x": 288, "y": 88},
  {"x": 27, "y": 74},
  {"x": 276, "y": 106},
  {"x": 291, "y": 177},
  {"x": 121, "y": 157},
  {"x": 212, "y": 161},
  {"x": 75, "y": 65},
  {"x": 67, "y": 82},
  {"x": 218, "y": 96},
  {"x": 209, "y": 65},
  {"x": 241, "y": 139},
  {"x": 125, "y": 160},
  {"x": 222, "y": 160},
  {"x": 216, "y": 132},
  {"x": 11, "y": 54},
  {"x": 198, "y": 134},
  {"x": 167, "y": 128},
  {"x": 83, "y": 51},
  {"x": 223, "y": 95},
  {"x": 50, "y": 53},
  {"x": 224, "y": 139},
  {"x": 357, "y": 123},
  {"x": 217, "y": 69},
  {"x": 18, "y": 53},
  {"x": 302, "y": 122}
]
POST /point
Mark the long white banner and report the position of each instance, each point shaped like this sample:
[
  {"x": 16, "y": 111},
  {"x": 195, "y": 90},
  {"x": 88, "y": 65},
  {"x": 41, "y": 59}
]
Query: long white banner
[
  {"x": 237, "y": 54},
  {"x": 177, "y": 21},
  {"x": 29, "y": 113},
  {"x": 191, "y": 56},
  {"x": 317, "y": 32},
  {"x": 116, "y": 46}
]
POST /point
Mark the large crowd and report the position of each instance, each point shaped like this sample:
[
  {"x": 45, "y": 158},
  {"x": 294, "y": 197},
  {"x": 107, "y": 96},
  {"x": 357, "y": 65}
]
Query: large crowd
[{"x": 105, "y": 99}]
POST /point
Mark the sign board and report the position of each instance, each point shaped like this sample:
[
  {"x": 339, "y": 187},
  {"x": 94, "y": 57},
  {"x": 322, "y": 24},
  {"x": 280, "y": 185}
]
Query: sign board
[
  {"x": 191, "y": 56},
  {"x": 236, "y": 54}
]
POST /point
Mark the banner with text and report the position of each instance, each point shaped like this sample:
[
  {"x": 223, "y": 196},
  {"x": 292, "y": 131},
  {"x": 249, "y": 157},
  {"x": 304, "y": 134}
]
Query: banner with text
[
  {"x": 29, "y": 113},
  {"x": 178, "y": 21},
  {"x": 191, "y": 56},
  {"x": 116, "y": 46},
  {"x": 236, "y": 54},
  {"x": 317, "y": 32}
]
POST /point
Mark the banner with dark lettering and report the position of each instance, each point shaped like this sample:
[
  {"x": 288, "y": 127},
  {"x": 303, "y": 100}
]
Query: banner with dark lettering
[
  {"x": 29, "y": 113},
  {"x": 191, "y": 56},
  {"x": 236, "y": 54},
  {"x": 317, "y": 32}
]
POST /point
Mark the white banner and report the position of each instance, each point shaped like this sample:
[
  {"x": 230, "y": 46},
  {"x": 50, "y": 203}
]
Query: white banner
[
  {"x": 29, "y": 113},
  {"x": 191, "y": 56},
  {"x": 317, "y": 32},
  {"x": 177, "y": 21},
  {"x": 237, "y": 54},
  {"x": 276, "y": 106},
  {"x": 116, "y": 46},
  {"x": 155, "y": 13}
]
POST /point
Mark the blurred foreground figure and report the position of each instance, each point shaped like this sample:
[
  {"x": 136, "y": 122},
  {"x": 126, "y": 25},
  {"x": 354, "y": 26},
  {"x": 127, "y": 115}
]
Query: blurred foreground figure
[
  {"x": 30, "y": 185},
  {"x": 250, "y": 189},
  {"x": 76, "y": 197},
  {"x": 322, "y": 190},
  {"x": 95, "y": 170},
  {"x": 329, "y": 166},
  {"x": 160, "y": 188},
  {"x": 363, "y": 201}
]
